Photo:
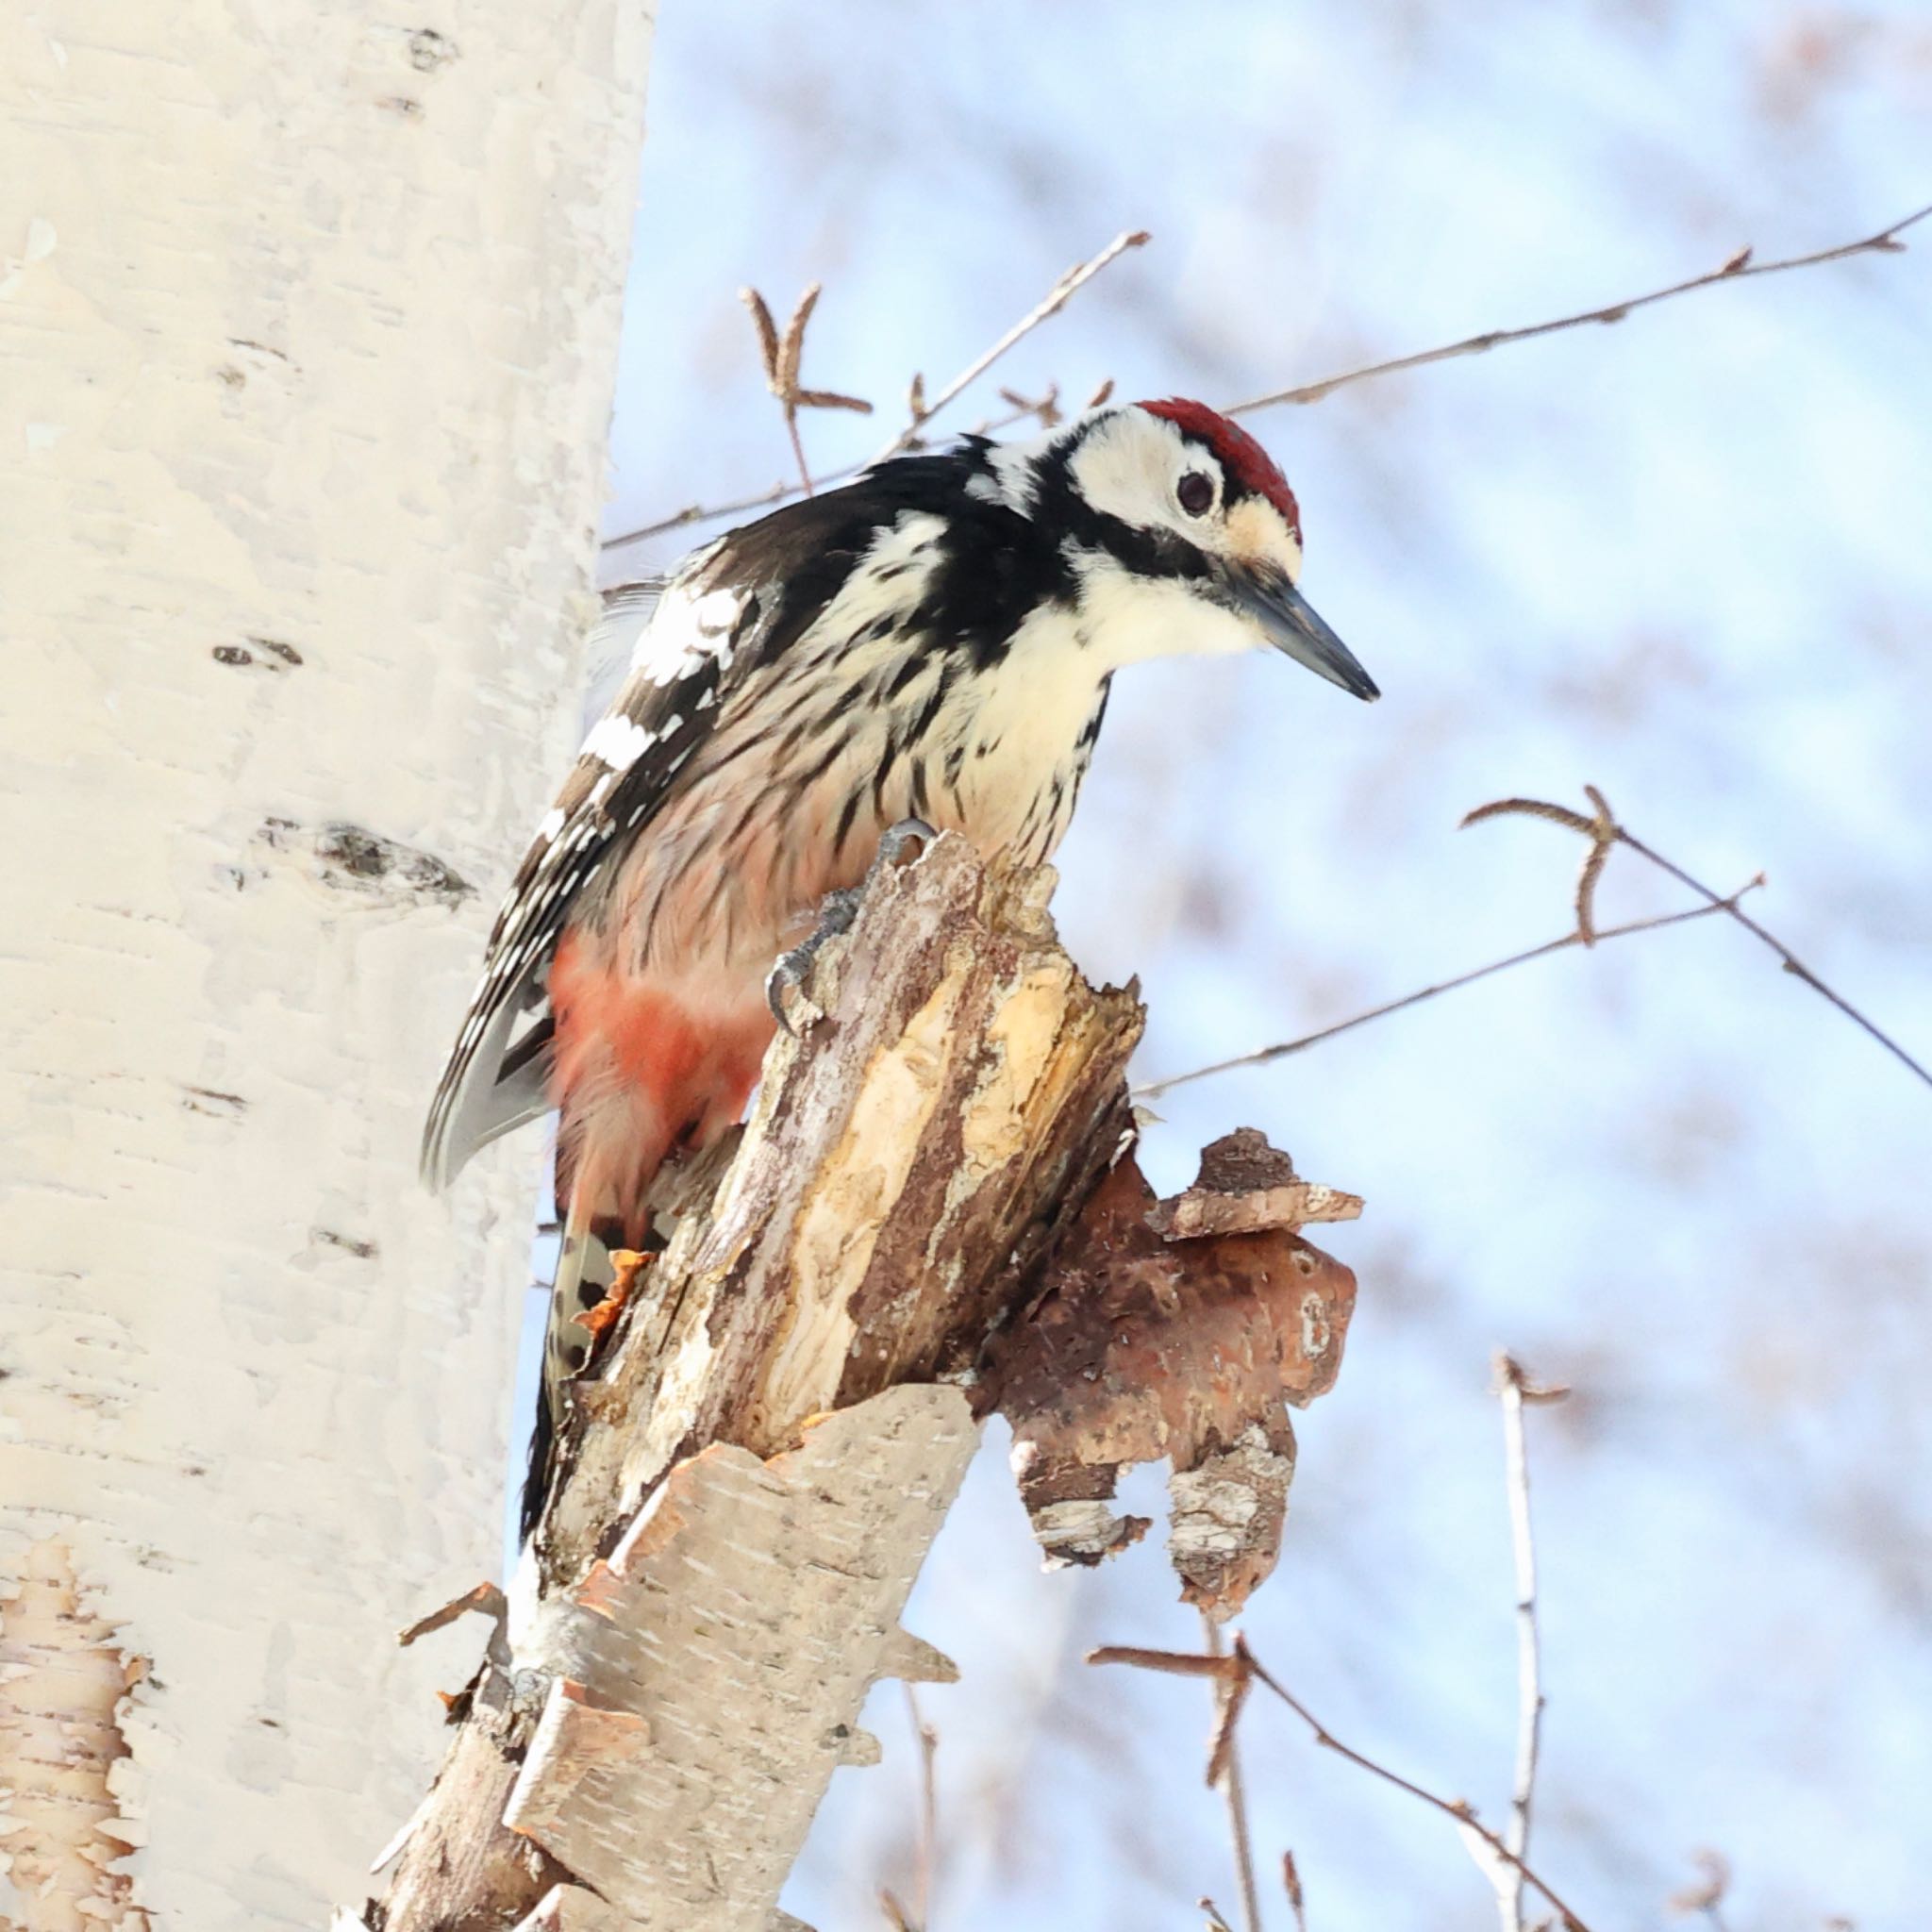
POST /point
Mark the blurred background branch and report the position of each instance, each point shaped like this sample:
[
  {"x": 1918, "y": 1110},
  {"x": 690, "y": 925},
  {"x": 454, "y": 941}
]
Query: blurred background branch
[
  {"x": 1234, "y": 1670},
  {"x": 1738, "y": 267},
  {"x": 1603, "y": 832}
]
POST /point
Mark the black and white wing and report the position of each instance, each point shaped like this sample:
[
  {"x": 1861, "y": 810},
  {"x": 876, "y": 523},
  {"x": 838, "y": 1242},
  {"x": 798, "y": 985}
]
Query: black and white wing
[
  {"x": 680, "y": 646},
  {"x": 735, "y": 609}
]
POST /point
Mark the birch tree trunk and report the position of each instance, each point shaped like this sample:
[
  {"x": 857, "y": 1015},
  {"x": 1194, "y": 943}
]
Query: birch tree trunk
[{"x": 307, "y": 323}]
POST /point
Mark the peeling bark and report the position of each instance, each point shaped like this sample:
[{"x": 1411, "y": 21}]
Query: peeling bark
[
  {"x": 61, "y": 1829},
  {"x": 931, "y": 1212},
  {"x": 1177, "y": 1330},
  {"x": 804, "y": 1565},
  {"x": 909, "y": 1161}
]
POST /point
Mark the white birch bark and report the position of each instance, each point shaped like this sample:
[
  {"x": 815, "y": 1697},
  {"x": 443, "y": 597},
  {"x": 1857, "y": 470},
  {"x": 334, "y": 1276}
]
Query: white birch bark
[{"x": 308, "y": 327}]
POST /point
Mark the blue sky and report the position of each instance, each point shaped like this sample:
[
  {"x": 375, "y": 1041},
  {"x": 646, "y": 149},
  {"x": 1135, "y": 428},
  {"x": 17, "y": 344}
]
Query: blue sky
[{"x": 1684, "y": 559}]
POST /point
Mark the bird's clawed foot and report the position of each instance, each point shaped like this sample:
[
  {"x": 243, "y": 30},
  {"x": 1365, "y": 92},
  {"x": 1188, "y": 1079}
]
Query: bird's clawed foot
[
  {"x": 794, "y": 1008},
  {"x": 902, "y": 844}
]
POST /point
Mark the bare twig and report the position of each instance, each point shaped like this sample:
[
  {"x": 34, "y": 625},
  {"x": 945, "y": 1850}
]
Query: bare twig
[
  {"x": 1708, "y": 1895},
  {"x": 1291, "y": 1884},
  {"x": 1215, "y": 1922},
  {"x": 1263, "y": 1055},
  {"x": 782, "y": 491},
  {"x": 782, "y": 354},
  {"x": 928, "y": 1810},
  {"x": 1045, "y": 410},
  {"x": 1516, "y": 1390},
  {"x": 486, "y": 1599},
  {"x": 1171, "y": 1663},
  {"x": 1055, "y": 300},
  {"x": 1603, "y": 830},
  {"x": 1224, "y": 1768},
  {"x": 708, "y": 513},
  {"x": 1242, "y": 1662},
  {"x": 920, "y": 411},
  {"x": 1740, "y": 267}
]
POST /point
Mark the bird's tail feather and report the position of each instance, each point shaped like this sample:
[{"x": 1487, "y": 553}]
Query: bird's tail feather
[{"x": 584, "y": 1275}]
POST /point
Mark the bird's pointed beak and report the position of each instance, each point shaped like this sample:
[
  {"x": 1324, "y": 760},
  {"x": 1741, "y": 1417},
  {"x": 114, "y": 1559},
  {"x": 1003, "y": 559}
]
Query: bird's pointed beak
[{"x": 1265, "y": 595}]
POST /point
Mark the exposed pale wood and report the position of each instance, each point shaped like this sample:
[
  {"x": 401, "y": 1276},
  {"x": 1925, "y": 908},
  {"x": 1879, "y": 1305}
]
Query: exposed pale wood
[
  {"x": 65, "y": 1676},
  {"x": 910, "y": 1160},
  {"x": 937, "y": 1183}
]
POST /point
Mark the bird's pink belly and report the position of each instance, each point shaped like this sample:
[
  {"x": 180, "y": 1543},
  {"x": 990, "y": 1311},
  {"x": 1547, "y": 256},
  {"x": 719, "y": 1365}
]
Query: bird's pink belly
[{"x": 643, "y": 1065}]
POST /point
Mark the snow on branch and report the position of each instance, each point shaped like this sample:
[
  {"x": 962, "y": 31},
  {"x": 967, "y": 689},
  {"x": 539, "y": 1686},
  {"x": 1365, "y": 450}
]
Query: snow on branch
[{"x": 933, "y": 1212}]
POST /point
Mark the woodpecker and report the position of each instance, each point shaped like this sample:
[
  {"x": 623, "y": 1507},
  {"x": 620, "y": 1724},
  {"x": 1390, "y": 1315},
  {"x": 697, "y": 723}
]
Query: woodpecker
[{"x": 932, "y": 642}]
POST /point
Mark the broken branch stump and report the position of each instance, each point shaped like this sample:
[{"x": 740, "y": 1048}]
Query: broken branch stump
[{"x": 929, "y": 1214}]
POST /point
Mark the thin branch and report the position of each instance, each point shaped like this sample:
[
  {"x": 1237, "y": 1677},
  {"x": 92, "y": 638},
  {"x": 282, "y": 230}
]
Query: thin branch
[
  {"x": 1056, "y": 299},
  {"x": 782, "y": 491},
  {"x": 782, "y": 355},
  {"x": 1790, "y": 960},
  {"x": 1263, "y": 1055},
  {"x": 1243, "y": 1663},
  {"x": 1741, "y": 267},
  {"x": 1291, "y": 1884},
  {"x": 1529, "y": 1692},
  {"x": 487, "y": 1599},
  {"x": 797, "y": 447},
  {"x": 708, "y": 513},
  {"x": 1456, "y": 1808},
  {"x": 1515, "y": 1390},
  {"x": 920, "y": 409},
  {"x": 1045, "y": 409},
  {"x": 1604, "y": 828},
  {"x": 928, "y": 1810},
  {"x": 1224, "y": 1763}
]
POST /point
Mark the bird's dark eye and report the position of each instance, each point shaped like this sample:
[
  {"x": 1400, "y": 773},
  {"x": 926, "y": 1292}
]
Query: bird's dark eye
[{"x": 1195, "y": 492}]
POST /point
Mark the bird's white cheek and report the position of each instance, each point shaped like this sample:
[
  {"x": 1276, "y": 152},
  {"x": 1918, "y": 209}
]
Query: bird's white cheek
[{"x": 1132, "y": 620}]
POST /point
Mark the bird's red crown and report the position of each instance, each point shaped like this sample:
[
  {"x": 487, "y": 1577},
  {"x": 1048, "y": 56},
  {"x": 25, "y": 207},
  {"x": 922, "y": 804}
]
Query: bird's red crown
[{"x": 1241, "y": 456}]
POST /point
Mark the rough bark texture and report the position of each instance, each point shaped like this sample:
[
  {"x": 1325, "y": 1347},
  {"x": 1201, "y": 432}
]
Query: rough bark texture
[
  {"x": 64, "y": 1677},
  {"x": 308, "y": 314},
  {"x": 758, "y": 1456},
  {"x": 1177, "y": 1330},
  {"x": 910, "y": 1159},
  {"x": 811, "y": 1549}
]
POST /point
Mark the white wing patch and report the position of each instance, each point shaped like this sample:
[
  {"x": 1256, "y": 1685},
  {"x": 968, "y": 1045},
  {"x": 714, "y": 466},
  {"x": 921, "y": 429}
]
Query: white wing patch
[
  {"x": 688, "y": 631},
  {"x": 1010, "y": 477},
  {"x": 618, "y": 742},
  {"x": 679, "y": 645}
]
